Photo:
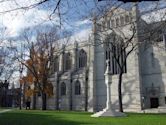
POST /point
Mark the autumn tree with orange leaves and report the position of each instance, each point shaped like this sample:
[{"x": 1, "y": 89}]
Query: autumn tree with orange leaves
[{"x": 40, "y": 55}]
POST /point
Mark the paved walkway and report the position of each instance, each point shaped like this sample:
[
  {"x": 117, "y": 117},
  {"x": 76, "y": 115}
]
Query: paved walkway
[{"x": 5, "y": 110}]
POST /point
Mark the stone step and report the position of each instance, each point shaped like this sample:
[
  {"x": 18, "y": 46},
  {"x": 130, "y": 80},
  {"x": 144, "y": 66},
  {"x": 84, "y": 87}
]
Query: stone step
[{"x": 161, "y": 109}]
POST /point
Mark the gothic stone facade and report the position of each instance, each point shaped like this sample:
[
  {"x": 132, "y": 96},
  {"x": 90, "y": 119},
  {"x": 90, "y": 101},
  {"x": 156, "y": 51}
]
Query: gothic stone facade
[{"x": 78, "y": 73}]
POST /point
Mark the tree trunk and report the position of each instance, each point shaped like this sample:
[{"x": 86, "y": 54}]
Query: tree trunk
[
  {"x": 44, "y": 101},
  {"x": 20, "y": 94},
  {"x": 34, "y": 102},
  {"x": 71, "y": 96},
  {"x": 120, "y": 92},
  {"x": 57, "y": 94}
]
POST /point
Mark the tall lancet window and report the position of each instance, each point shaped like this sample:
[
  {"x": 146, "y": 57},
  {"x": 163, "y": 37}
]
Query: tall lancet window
[
  {"x": 122, "y": 20},
  {"x": 56, "y": 64},
  {"x": 115, "y": 52},
  {"x": 152, "y": 59},
  {"x": 77, "y": 88},
  {"x": 127, "y": 19},
  {"x": 68, "y": 61},
  {"x": 63, "y": 89},
  {"x": 112, "y": 23},
  {"x": 82, "y": 59},
  {"x": 117, "y": 22}
]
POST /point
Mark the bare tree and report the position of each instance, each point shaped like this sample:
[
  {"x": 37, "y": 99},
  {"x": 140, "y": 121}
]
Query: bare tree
[{"x": 7, "y": 66}]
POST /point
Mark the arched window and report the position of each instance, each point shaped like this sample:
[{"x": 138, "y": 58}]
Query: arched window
[
  {"x": 116, "y": 53},
  {"x": 103, "y": 25},
  {"x": 117, "y": 22},
  {"x": 56, "y": 64},
  {"x": 112, "y": 23},
  {"x": 152, "y": 59},
  {"x": 122, "y": 20},
  {"x": 82, "y": 58},
  {"x": 77, "y": 88},
  {"x": 63, "y": 89},
  {"x": 68, "y": 61},
  {"x": 127, "y": 19}
]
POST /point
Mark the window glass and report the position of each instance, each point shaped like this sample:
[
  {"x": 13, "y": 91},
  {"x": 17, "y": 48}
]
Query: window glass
[
  {"x": 77, "y": 88},
  {"x": 82, "y": 58},
  {"x": 63, "y": 89}
]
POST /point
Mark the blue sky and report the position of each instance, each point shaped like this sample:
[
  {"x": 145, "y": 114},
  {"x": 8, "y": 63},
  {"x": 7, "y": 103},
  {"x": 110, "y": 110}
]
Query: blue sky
[
  {"x": 75, "y": 14},
  {"x": 71, "y": 19}
]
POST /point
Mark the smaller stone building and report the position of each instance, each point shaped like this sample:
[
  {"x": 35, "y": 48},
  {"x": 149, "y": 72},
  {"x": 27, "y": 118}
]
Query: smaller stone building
[{"x": 8, "y": 97}]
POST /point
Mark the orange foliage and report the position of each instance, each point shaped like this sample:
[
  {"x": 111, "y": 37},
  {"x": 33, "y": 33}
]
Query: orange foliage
[
  {"x": 30, "y": 78},
  {"x": 29, "y": 62},
  {"x": 28, "y": 92},
  {"x": 37, "y": 62}
]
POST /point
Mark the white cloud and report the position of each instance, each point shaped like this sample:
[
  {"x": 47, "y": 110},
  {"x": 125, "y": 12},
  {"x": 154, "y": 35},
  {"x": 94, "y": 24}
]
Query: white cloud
[
  {"x": 17, "y": 20},
  {"x": 82, "y": 22},
  {"x": 81, "y": 36}
]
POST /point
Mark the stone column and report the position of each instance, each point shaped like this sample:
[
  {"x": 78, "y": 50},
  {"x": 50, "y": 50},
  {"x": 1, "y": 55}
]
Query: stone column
[
  {"x": 74, "y": 59},
  {"x": 61, "y": 60},
  {"x": 108, "y": 84}
]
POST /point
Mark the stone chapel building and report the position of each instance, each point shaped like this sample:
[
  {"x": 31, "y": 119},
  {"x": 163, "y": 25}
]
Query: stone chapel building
[{"x": 78, "y": 73}]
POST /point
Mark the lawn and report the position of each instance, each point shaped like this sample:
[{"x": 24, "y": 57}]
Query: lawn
[
  {"x": 1, "y": 108},
  {"x": 31, "y": 117},
  {"x": 5, "y": 108}
]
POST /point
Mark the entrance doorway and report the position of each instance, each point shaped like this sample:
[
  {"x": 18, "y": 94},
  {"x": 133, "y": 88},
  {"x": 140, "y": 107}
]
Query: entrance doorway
[{"x": 154, "y": 102}]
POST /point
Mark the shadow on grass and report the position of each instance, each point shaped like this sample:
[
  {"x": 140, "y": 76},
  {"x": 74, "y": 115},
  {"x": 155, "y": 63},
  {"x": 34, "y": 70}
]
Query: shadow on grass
[
  {"x": 32, "y": 118},
  {"x": 37, "y": 117}
]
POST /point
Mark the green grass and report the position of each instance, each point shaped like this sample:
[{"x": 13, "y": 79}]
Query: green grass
[
  {"x": 31, "y": 117},
  {"x": 4, "y": 108}
]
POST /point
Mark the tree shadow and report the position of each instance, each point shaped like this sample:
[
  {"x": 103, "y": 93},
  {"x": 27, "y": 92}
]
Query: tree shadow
[
  {"x": 153, "y": 77},
  {"x": 39, "y": 118}
]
